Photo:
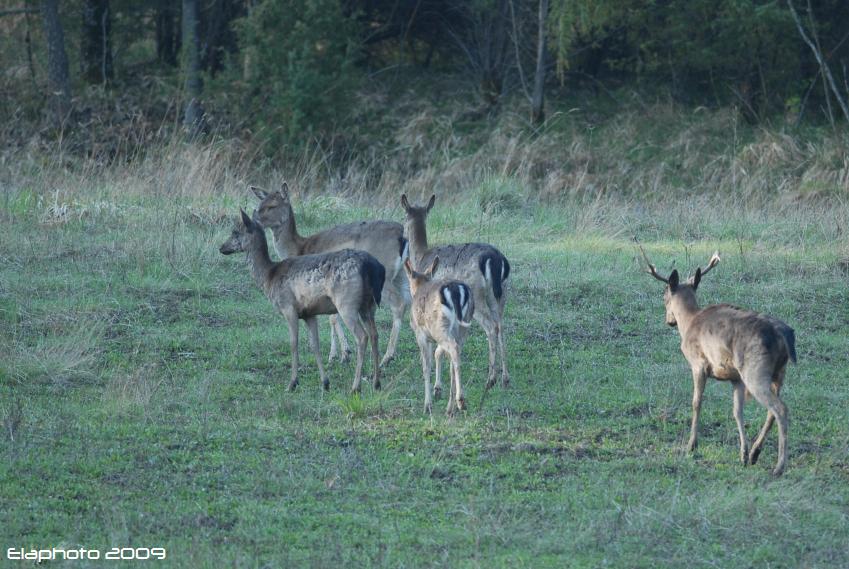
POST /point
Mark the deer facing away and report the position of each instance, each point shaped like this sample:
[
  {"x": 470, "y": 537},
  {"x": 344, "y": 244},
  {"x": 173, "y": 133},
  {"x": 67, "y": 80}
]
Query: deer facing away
[
  {"x": 346, "y": 282},
  {"x": 442, "y": 312},
  {"x": 480, "y": 266},
  {"x": 382, "y": 239},
  {"x": 746, "y": 348}
]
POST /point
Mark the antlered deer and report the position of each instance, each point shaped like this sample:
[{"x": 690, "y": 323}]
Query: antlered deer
[
  {"x": 728, "y": 343},
  {"x": 346, "y": 282},
  {"x": 480, "y": 266},
  {"x": 382, "y": 239},
  {"x": 442, "y": 312}
]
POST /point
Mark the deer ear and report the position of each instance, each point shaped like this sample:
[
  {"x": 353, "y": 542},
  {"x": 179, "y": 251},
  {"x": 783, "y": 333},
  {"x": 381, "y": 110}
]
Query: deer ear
[
  {"x": 404, "y": 203},
  {"x": 246, "y": 220},
  {"x": 431, "y": 202},
  {"x": 673, "y": 279},
  {"x": 284, "y": 190},
  {"x": 696, "y": 278},
  {"x": 259, "y": 193},
  {"x": 432, "y": 268}
]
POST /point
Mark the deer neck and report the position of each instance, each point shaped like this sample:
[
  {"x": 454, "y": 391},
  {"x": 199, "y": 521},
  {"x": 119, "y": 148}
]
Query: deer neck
[
  {"x": 416, "y": 231},
  {"x": 259, "y": 261},
  {"x": 684, "y": 309},
  {"x": 287, "y": 241}
]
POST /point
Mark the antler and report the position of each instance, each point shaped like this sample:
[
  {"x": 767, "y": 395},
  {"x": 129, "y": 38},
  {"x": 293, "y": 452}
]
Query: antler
[
  {"x": 714, "y": 261},
  {"x": 652, "y": 270}
]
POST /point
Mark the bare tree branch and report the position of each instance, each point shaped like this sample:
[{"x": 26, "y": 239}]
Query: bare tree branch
[{"x": 818, "y": 55}]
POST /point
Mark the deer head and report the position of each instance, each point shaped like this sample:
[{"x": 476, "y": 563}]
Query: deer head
[
  {"x": 242, "y": 236},
  {"x": 416, "y": 212},
  {"x": 416, "y": 278},
  {"x": 275, "y": 208},
  {"x": 676, "y": 291}
]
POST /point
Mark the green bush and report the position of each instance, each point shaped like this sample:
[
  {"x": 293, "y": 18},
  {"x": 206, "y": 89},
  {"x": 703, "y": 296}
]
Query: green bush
[{"x": 298, "y": 64}]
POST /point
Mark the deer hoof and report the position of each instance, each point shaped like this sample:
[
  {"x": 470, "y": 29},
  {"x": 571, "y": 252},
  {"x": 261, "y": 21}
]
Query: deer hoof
[
  {"x": 778, "y": 471},
  {"x": 386, "y": 359},
  {"x": 292, "y": 386},
  {"x": 325, "y": 385},
  {"x": 754, "y": 454}
]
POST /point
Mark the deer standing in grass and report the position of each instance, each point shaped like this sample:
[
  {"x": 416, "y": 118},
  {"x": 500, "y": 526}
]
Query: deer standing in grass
[
  {"x": 728, "y": 343},
  {"x": 442, "y": 312},
  {"x": 480, "y": 266},
  {"x": 347, "y": 282},
  {"x": 382, "y": 239}
]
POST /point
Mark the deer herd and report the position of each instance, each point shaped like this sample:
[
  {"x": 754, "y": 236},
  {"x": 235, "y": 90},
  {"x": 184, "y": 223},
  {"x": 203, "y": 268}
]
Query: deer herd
[{"x": 347, "y": 270}]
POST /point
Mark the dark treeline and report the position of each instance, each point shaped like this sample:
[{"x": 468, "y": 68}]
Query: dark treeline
[{"x": 289, "y": 68}]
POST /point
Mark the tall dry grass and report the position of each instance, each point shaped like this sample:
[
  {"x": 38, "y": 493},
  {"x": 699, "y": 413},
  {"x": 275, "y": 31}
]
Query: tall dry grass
[{"x": 644, "y": 155}]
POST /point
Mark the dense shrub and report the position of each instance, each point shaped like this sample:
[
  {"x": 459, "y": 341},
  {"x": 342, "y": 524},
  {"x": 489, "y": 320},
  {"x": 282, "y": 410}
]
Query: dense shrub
[{"x": 298, "y": 65}]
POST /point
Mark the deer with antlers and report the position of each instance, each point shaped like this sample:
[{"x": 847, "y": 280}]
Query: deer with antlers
[{"x": 728, "y": 343}]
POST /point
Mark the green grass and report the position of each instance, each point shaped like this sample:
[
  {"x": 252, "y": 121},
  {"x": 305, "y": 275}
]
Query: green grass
[{"x": 143, "y": 402}]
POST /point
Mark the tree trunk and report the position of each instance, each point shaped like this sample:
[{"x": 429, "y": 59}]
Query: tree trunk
[
  {"x": 167, "y": 38},
  {"x": 537, "y": 99},
  {"x": 193, "y": 118},
  {"x": 96, "y": 44},
  {"x": 59, "y": 86}
]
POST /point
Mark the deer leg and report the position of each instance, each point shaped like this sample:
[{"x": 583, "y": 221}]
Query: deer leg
[
  {"x": 336, "y": 330},
  {"x": 371, "y": 332},
  {"x": 490, "y": 331},
  {"x": 352, "y": 321},
  {"x": 292, "y": 320},
  {"x": 505, "y": 375},
  {"x": 765, "y": 395},
  {"x": 424, "y": 351},
  {"x": 437, "y": 387},
  {"x": 757, "y": 445},
  {"x": 398, "y": 308},
  {"x": 334, "y": 350},
  {"x": 312, "y": 328},
  {"x": 739, "y": 400},
  {"x": 699, "y": 378},
  {"x": 457, "y": 388}
]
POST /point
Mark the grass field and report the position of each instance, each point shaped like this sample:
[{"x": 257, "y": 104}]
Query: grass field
[{"x": 143, "y": 402}]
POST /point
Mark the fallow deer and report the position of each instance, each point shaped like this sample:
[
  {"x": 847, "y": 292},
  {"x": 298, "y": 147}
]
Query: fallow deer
[
  {"x": 481, "y": 266},
  {"x": 728, "y": 343},
  {"x": 442, "y": 312},
  {"x": 347, "y": 282},
  {"x": 382, "y": 239}
]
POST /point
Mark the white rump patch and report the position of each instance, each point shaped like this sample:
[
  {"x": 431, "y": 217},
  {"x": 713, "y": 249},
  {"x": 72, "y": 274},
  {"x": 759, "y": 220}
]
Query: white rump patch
[
  {"x": 464, "y": 302},
  {"x": 446, "y": 294},
  {"x": 448, "y": 309}
]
